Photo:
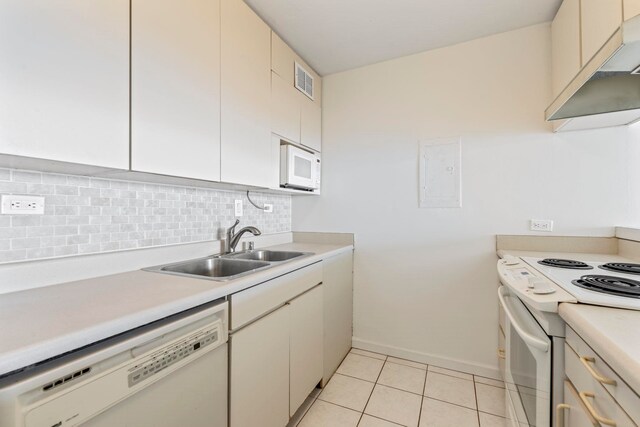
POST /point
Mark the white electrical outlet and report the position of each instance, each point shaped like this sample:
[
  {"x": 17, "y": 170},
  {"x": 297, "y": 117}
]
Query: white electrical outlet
[
  {"x": 238, "y": 207},
  {"x": 541, "y": 225},
  {"x": 268, "y": 207},
  {"x": 22, "y": 205}
]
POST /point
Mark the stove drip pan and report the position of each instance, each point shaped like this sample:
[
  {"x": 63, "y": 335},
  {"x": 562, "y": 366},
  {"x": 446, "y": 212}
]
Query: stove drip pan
[
  {"x": 611, "y": 285},
  {"x": 565, "y": 263},
  {"x": 622, "y": 267}
]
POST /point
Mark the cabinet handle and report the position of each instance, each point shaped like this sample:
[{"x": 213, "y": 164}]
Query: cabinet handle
[
  {"x": 559, "y": 418},
  {"x": 587, "y": 361},
  {"x": 501, "y": 353},
  {"x": 584, "y": 396}
]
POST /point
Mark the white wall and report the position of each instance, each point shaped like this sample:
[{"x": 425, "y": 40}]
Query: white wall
[{"x": 425, "y": 281}]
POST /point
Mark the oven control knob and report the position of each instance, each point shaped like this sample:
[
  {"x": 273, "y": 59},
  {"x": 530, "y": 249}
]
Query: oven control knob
[
  {"x": 534, "y": 282},
  {"x": 543, "y": 289}
]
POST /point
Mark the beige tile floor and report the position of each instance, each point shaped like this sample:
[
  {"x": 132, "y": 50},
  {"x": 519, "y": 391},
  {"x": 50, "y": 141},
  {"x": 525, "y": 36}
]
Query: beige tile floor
[{"x": 374, "y": 390}]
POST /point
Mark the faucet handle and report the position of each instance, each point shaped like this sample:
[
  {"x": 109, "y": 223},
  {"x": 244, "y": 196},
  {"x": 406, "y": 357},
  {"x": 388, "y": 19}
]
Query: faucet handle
[{"x": 231, "y": 230}]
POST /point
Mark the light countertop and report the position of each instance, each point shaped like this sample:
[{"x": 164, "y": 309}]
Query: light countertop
[
  {"x": 41, "y": 323},
  {"x": 612, "y": 333}
]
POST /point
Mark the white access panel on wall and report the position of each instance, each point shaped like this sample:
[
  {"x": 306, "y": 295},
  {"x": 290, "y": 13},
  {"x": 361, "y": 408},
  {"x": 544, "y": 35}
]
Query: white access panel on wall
[{"x": 440, "y": 173}]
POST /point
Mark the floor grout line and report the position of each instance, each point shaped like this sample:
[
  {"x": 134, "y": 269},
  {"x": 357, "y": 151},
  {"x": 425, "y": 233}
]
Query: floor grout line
[
  {"x": 424, "y": 390},
  {"x": 475, "y": 394},
  {"x": 423, "y": 396}
]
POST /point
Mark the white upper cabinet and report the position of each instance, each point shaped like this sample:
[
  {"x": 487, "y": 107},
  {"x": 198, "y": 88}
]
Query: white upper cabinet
[
  {"x": 289, "y": 102},
  {"x": 631, "y": 8},
  {"x": 565, "y": 46},
  {"x": 599, "y": 20},
  {"x": 283, "y": 60},
  {"x": 285, "y": 109},
  {"x": 246, "y": 96},
  {"x": 311, "y": 124},
  {"x": 175, "y": 88},
  {"x": 64, "y": 81}
]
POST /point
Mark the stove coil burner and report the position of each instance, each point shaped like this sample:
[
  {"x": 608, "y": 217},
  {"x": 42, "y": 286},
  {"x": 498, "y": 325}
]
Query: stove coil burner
[
  {"x": 609, "y": 285},
  {"x": 622, "y": 267},
  {"x": 565, "y": 263}
]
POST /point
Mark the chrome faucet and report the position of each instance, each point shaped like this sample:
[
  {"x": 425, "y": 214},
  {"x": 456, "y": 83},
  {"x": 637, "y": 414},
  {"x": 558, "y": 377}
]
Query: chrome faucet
[{"x": 233, "y": 238}]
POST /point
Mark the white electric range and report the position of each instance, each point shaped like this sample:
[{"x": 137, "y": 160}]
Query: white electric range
[{"x": 531, "y": 291}]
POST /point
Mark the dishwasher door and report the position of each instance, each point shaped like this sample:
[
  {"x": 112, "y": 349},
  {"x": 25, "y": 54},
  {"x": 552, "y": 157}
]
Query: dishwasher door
[
  {"x": 173, "y": 372},
  {"x": 194, "y": 396}
]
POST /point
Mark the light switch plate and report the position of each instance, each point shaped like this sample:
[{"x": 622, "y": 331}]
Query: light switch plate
[
  {"x": 268, "y": 208},
  {"x": 22, "y": 205},
  {"x": 238, "y": 207}
]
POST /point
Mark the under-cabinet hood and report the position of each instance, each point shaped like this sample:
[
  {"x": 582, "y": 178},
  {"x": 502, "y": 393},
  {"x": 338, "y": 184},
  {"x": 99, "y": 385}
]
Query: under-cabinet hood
[{"x": 606, "y": 92}]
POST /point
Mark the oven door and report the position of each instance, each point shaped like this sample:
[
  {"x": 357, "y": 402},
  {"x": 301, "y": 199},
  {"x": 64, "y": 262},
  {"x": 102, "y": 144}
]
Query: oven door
[{"x": 527, "y": 366}]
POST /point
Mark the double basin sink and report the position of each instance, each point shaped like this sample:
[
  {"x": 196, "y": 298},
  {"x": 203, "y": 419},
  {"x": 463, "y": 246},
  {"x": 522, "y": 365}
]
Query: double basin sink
[{"x": 230, "y": 266}]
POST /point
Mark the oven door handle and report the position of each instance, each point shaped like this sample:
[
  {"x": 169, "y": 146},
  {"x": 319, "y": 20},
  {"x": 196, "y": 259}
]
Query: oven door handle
[{"x": 527, "y": 337}]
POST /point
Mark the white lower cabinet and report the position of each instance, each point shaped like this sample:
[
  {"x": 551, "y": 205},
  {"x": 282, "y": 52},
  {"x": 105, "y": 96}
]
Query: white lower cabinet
[
  {"x": 276, "y": 358},
  {"x": 602, "y": 395},
  {"x": 337, "y": 285},
  {"x": 259, "y": 372},
  {"x": 305, "y": 346},
  {"x": 574, "y": 413}
]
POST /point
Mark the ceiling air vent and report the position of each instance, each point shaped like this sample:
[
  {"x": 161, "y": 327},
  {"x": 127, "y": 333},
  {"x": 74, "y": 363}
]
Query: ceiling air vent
[{"x": 304, "y": 81}]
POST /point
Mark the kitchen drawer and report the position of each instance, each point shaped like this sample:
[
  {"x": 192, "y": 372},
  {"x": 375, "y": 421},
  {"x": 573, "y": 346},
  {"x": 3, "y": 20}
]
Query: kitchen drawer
[
  {"x": 620, "y": 391},
  {"x": 591, "y": 392},
  {"x": 574, "y": 413},
  {"x": 258, "y": 300}
]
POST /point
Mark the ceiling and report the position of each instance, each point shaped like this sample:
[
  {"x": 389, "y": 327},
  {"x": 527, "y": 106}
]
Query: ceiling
[{"x": 337, "y": 35}]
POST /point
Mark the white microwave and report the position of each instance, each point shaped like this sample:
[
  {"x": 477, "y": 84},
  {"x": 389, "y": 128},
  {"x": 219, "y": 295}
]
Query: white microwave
[{"x": 299, "y": 169}]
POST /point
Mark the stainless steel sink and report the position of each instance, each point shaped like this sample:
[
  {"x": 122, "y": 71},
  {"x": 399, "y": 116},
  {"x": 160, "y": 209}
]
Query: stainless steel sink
[
  {"x": 213, "y": 268},
  {"x": 266, "y": 255},
  {"x": 230, "y": 266}
]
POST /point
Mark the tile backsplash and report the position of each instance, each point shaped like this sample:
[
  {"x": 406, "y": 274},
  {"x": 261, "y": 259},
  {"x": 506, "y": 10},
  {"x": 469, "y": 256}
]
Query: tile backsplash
[{"x": 90, "y": 215}]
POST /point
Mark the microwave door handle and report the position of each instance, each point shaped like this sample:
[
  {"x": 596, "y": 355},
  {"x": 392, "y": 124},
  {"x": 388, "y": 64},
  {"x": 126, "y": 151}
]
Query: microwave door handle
[{"x": 527, "y": 337}]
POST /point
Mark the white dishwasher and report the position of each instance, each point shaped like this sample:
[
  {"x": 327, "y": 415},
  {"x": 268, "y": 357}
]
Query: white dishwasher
[{"x": 172, "y": 372}]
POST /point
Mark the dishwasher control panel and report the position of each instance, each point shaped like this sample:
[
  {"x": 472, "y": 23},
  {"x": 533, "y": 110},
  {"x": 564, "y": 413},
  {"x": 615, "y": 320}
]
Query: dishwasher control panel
[{"x": 173, "y": 354}]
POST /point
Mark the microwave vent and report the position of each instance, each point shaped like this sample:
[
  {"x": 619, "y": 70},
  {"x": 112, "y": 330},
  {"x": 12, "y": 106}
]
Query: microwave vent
[{"x": 304, "y": 81}]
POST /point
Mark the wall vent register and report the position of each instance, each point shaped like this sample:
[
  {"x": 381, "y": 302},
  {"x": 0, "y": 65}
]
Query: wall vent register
[{"x": 304, "y": 80}]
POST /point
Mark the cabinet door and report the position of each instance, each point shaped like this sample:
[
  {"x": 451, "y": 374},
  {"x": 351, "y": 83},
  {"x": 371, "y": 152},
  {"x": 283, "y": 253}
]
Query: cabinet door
[
  {"x": 306, "y": 342},
  {"x": 576, "y": 415},
  {"x": 311, "y": 124},
  {"x": 599, "y": 19},
  {"x": 631, "y": 8},
  {"x": 259, "y": 372},
  {"x": 64, "y": 80},
  {"x": 246, "y": 96},
  {"x": 282, "y": 59},
  {"x": 175, "y": 88},
  {"x": 337, "y": 285},
  {"x": 565, "y": 45},
  {"x": 285, "y": 109}
]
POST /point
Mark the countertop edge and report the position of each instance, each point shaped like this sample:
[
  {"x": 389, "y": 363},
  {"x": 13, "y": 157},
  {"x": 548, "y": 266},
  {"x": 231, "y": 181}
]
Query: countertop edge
[
  {"x": 18, "y": 359},
  {"x": 618, "y": 358}
]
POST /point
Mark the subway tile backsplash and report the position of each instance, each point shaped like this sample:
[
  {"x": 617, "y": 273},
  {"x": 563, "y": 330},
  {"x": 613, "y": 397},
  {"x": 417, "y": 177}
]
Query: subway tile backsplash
[{"x": 91, "y": 215}]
